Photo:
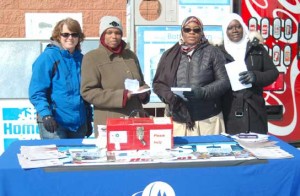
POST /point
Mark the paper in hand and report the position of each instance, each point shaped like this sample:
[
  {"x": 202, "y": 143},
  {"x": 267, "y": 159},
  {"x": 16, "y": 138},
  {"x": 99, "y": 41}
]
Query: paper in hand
[
  {"x": 233, "y": 69},
  {"x": 131, "y": 85},
  {"x": 179, "y": 91}
]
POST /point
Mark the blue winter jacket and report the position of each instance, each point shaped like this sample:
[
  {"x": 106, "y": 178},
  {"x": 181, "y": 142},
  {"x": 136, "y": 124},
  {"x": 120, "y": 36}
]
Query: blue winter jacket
[{"x": 55, "y": 87}]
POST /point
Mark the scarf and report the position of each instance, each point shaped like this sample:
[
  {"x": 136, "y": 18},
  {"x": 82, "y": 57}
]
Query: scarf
[
  {"x": 186, "y": 48},
  {"x": 116, "y": 50},
  {"x": 162, "y": 83}
]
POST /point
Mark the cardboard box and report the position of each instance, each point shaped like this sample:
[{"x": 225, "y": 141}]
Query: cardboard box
[{"x": 139, "y": 133}]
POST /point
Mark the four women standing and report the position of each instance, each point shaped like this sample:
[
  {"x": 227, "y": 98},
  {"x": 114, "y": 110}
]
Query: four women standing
[{"x": 192, "y": 63}]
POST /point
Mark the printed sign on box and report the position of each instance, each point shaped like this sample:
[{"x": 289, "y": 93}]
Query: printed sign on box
[{"x": 139, "y": 133}]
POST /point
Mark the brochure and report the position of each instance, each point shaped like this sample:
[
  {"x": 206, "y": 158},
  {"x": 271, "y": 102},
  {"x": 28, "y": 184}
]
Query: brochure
[
  {"x": 233, "y": 69},
  {"x": 179, "y": 91}
]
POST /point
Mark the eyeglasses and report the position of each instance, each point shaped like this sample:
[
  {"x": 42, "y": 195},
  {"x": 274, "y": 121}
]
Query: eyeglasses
[
  {"x": 195, "y": 30},
  {"x": 66, "y": 35}
]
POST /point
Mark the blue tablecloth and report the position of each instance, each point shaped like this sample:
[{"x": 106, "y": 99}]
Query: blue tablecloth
[{"x": 272, "y": 177}]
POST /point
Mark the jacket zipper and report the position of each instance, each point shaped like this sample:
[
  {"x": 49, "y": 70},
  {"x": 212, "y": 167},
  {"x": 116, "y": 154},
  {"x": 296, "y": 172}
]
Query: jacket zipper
[{"x": 251, "y": 60}]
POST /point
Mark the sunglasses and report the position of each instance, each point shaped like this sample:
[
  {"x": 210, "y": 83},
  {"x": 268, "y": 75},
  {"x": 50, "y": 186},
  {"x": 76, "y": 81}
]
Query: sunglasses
[
  {"x": 66, "y": 35},
  {"x": 187, "y": 30}
]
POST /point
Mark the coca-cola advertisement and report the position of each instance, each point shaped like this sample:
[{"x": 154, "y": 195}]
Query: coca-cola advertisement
[{"x": 278, "y": 22}]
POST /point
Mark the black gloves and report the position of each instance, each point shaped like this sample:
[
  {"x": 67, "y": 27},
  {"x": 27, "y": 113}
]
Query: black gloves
[
  {"x": 247, "y": 77},
  {"x": 180, "y": 113},
  {"x": 89, "y": 129},
  {"x": 197, "y": 93},
  {"x": 144, "y": 97},
  {"x": 49, "y": 124}
]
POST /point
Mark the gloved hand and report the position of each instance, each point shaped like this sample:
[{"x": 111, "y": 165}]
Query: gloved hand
[
  {"x": 179, "y": 111},
  {"x": 49, "y": 124},
  {"x": 144, "y": 97},
  {"x": 247, "y": 77},
  {"x": 197, "y": 93}
]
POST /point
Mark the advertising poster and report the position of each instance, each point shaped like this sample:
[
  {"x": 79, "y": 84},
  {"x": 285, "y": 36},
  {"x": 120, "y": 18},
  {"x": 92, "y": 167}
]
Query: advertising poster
[
  {"x": 40, "y": 25},
  {"x": 210, "y": 12},
  {"x": 18, "y": 121},
  {"x": 278, "y": 22}
]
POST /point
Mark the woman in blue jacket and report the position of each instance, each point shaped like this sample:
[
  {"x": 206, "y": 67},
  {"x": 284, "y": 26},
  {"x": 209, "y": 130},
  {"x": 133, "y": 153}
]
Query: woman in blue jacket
[{"x": 54, "y": 88}]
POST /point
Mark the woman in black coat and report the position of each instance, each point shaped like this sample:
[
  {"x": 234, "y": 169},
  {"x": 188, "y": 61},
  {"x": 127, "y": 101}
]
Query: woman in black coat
[{"x": 245, "y": 110}]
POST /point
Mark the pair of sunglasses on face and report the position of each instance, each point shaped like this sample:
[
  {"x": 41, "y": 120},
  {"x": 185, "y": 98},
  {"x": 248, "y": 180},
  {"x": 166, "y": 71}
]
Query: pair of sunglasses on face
[
  {"x": 66, "y": 35},
  {"x": 195, "y": 30}
]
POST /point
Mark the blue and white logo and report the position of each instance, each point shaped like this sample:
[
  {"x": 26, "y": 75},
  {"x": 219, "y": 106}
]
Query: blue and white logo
[
  {"x": 157, "y": 188},
  {"x": 18, "y": 113},
  {"x": 19, "y": 122}
]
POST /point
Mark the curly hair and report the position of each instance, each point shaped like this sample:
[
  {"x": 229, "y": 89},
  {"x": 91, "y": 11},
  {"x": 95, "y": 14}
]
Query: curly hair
[{"x": 73, "y": 25}]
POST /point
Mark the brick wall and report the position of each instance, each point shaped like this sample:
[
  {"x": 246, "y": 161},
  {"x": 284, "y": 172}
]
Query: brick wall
[{"x": 12, "y": 13}]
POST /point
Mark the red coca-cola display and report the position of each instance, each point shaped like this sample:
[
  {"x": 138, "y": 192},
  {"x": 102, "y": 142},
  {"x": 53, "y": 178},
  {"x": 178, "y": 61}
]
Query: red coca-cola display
[{"x": 278, "y": 22}]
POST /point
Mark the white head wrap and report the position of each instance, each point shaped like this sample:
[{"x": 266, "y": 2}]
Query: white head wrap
[{"x": 236, "y": 49}]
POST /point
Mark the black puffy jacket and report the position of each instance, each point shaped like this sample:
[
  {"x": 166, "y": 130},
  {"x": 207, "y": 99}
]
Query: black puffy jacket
[
  {"x": 245, "y": 110},
  {"x": 206, "y": 69}
]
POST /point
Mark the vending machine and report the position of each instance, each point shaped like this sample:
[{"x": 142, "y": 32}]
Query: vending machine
[{"x": 278, "y": 23}]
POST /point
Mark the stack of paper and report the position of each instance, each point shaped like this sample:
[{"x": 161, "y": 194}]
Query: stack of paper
[
  {"x": 260, "y": 146},
  {"x": 93, "y": 155},
  {"x": 40, "y": 156}
]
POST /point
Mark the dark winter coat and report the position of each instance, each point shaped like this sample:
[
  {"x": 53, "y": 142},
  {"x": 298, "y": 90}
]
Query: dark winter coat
[
  {"x": 245, "y": 110},
  {"x": 206, "y": 69}
]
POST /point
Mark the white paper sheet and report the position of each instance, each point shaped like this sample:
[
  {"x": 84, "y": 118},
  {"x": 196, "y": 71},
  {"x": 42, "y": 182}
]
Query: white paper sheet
[
  {"x": 233, "y": 69},
  {"x": 141, "y": 91},
  {"x": 179, "y": 91},
  {"x": 131, "y": 85}
]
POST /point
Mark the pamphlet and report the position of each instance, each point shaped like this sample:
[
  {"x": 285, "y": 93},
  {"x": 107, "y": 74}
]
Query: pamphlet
[
  {"x": 141, "y": 91},
  {"x": 133, "y": 86},
  {"x": 179, "y": 91},
  {"x": 260, "y": 146},
  {"x": 233, "y": 69},
  {"x": 40, "y": 156}
]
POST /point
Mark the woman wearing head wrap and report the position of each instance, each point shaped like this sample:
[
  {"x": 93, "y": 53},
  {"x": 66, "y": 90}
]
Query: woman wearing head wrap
[
  {"x": 244, "y": 110},
  {"x": 193, "y": 63},
  {"x": 104, "y": 71}
]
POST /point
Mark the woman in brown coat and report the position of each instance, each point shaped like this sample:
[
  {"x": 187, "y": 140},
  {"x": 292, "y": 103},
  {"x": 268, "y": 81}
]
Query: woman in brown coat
[{"x": 104, "y": 71}]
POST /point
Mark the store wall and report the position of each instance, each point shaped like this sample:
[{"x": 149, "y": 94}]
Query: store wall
[{"x": 12, "y": 13}]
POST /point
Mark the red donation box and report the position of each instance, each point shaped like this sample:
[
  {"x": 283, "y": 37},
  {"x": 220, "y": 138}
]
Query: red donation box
[{"x": 139, "y": 133}]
